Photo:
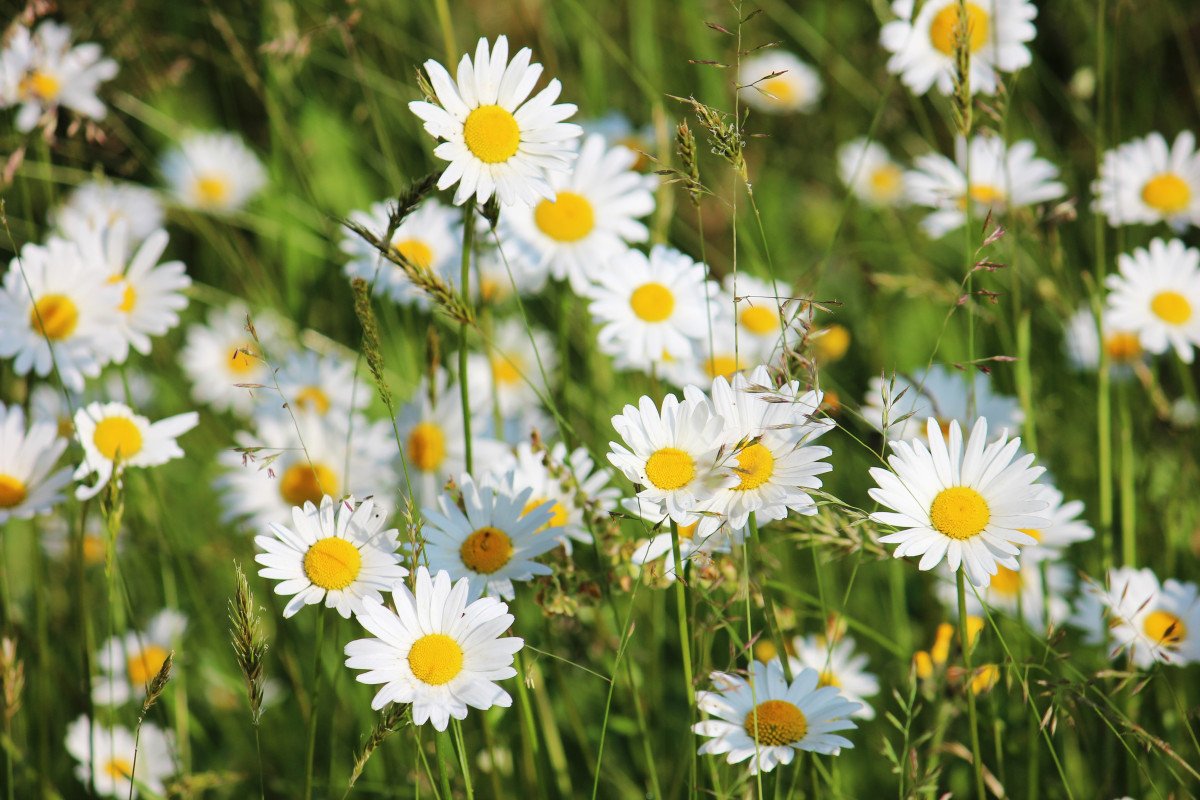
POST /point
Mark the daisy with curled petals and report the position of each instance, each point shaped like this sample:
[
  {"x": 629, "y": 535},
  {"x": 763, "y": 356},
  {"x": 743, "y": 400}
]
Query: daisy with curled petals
[
  {"x": 1083, "y": 344},
  {"x": 569, "y": 481},
  {"x": 491, "y": 540},
  {"x": 214, "y": 172},
  {"x": 899, "y": 407},
  {"x": 777, "y": 82},
  {"x": 1064, "y": 527},
  {"x": 57, "y": 298},
  {"x": 106, "y": 758},
  {"x": 129, "y": 663},
  {"x": 1146, "y": 181},
  {"x": 1155, "y": 623},
  {"x": 870, "y": 173},
  {"x": 922, "y": 48},
  {"x": 221, "y": 358},
  {"x": 338, "y": 553},
  {"x": 593, "y": 216},
  {"x": 769, "y": 722},
  {"x": 496, "y": 141},
  {"x": 650, "y": 307},
  {"x": 428, "y": 238},
  {"x": 112, "y": 432},
  {"x": 839, "y": 666},
  {"x": 1003, "y": 177},
  {"x": 29, "y": 484},
  {"x": 102, "y": 203},
  {"x": 672, "y": 453},
  {"x": 1157, "y": 294},
  {"x": 970, "y": 507},
  {"x": 317, "y": 383},
  {"x": 41, "y": 72},
  {"x": 437, "y": 650}
]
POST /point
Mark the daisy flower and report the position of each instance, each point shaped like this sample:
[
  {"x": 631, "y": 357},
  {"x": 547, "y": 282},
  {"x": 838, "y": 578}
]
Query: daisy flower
[
  {"x": 839, "y": 666},
  {"x": 693, "y": 543},
  {"x": 1157, "y": 294},
  {"x": 1064, "y": 528},
  {"x": 509, "y": 377},
  {"x": 1082, "y": 343},
  {"x": 922, "y": 48},
  {"x": 41, "y": 72},
  {"x": 29, "y": 483},
  {"x": 567, "y": 481},
  {"x": 429, "y": 238},
  {"x": 760, "y": 309},
  {"x": 769, "y": 722},
  {"x": 941, "y": 393},
  {"x": 1088, "y": 613},
  {"x": 1002, "y": 177},
  {"x": 497, "y": 275},
  {"x": 1145, "y": 181},
  {"x": 495, "y": 141},
  {"x": 492, "y": 540},
  {"x": 593, "y": 216},
  {"x": 617, "y": 129},
  {"x": 57, "y": 296},
  {"x": 221, "y": 358},
  {"x": 723, "y": 355},
  {"x": 970, "y": 507},
  {"x": 650, "y": 307},
  {"x": 777, "y": 82},
  {"x": 870, "y": 173},
  {"x": 59, "y": 539},
  {"x": 672, "y": 453},
  {"x": 1018, "y": 590},
  {"x": 109, "y": 431},
  {"x": 323, "y": 384},
  {"x": 106, "y": 758},
  {"x": 437, "y": 651},
  {"x": 302, "y": 461},
  {"x": 1153, "y": 622},
  {"x": 102, "y": 204},
  {"x": 213, "y": 172},
  {"x": 338, "y": 553},
  {"x": 129, "y": 663}
]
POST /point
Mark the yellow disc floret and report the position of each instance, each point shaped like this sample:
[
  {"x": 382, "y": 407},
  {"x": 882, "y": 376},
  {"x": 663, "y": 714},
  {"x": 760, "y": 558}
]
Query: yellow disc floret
[
  {"x": 567, "y": 218},
  {"x": 54, "y": 316},
  {"x": 426, "y": 446},
  {"x": 415, "y": 252},
  {"x": 1167, "y": 193},
  {"x": 332, "y": 563},
  {"x": 144, "y": 665},
  {"x": 652, "y": 302},
  {"x": 960, "y": 512},
  {"x": 435, "y": 659},
  {"x": 486, "y": 550},
  {"x": 115, "y": 435},
  {"x": 780, "y": 723},
  {"x": 759, "y": 320},
  {"x": 755, "y": 465},
  {"x": 313, "y": 398},
  {"x": 945, "y": 24},
  {"x": 304, "y": 482},
  {"x": 12, "y": 491},
  {"x": 670, "y": 468},
  {"x": 1163, "y": 627},
  {"x": 492, "y": 134},
  {"x": 1171, "y": 307}
]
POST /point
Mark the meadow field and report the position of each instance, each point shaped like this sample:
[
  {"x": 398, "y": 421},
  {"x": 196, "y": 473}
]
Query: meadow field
[{"x": 573, "y": 399}]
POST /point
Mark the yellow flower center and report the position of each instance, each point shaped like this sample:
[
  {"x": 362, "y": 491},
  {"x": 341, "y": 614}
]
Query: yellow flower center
[
  {"x": 652, "y": 302},
  {"x": 332, "y": 563},
  {"x": 241, "y": 363},
  {"x": 1123, "y": 347},
  {"x": 492, "y": 134},
  {"x": 128, "y": 298},
  {"x": 505, "y": 369},
  {"x": 118, "y": 769},
  {"x": 984, "y": 195},
  {"x": 1171, "y": 307},
  {"x": 886, "y": 181},
  {"x": 782, "y": 89},
  {"x": 486, "y": 550},
  {"x": 54, "y": 316},
  {"x": 765, "y": 650},
  {"x": 212, "y": 190},
  {"x": 832, "y": 343},
  {"x": 312, "y": 398},
  {"x": 426, "y": 446},
  {"x": 303, "y": 483},
  {"x": 1006, "y": 581},
  {"x": 95, "y": 549},
  {"x": 759, "y": 320},
  {"x": 1163, "y": 627},
  {"x": 415, "y": 252},
  {"x": 755, "y": 466},
  {"x": 670, "y": 468},
  {"x": 567, "y": 218},
  {"x": 117, "y": 435},
  {"x": 12, "y": 491},
  {"x": 959, "y": 512},
  {"x": 1167, "y": 193},
  {"x": 780, "y": 723},
  {"x": 721, "y": 366},
  {"x": 435, "y": 659},
  {"x": 945, "y": 25},
  {"x": 829, "y": 679},
  {"x": 143, "y": 665},
  {"x": 39, "y": 85},
  {"x": 558, "y": 512}
]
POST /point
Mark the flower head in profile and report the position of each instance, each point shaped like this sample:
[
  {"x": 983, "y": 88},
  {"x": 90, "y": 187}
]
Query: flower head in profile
[
  {"x": 213, "y": 172},
  {"x": 41, "y": 72},
  {"x": 1146, "y": 181},
  {"x": 1156, "y": 294},
  {"x": 112, "y": 434}
]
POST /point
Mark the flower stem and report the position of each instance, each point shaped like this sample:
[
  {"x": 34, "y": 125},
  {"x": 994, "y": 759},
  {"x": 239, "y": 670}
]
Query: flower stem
[
  {"x": 312, "y": 713},
  {"x": 976, "y": 758},
  {"x": 685, "y": 647},
  {"x": 468, "y": 242},
  {"x": 1128, "y": 497},
  {"x": 769, "y": 605}
]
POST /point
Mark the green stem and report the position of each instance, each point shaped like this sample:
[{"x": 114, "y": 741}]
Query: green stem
[
  {"x": 312, "y": 713},
  {"x": 769, "y": 605},
  {"x": 468, "y": 242},
  {"x": 976, "y": 758},
  {"x": 1128, "y": 497},
  {"x": 685, "y": 648},
  {"x": 461, "y": 747}
]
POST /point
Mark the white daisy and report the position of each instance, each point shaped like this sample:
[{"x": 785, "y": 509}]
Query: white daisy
[
  {"x": 495, "y": 141},
  {"x": 592, "y": 217},
  {"x": 1153, "y": 622},
  {"x": 429, "y": 238},
  {"x": 1082, "y": 343},
  {"x": 1157, "y": 294},
  {"x": 568, "y": 481},
  {"x": 106, "y": 757},
  {"x": 1002, "y": 177},
  {"x": 103, "y": 203},
  {"x": 769, "y": 722},
  {"x": 498, "y": 273},
  {"x": 29, "y": 483},
  {"x": 213, "y": 172},
  {"x": 762, "y": 309},
  {"x": 1144, "y": 181},
  {"x": 617, "y": 129},
  {"x": 693, "y": 543},
  {"x": 941, "y": 393},
  {"x": 222, "y": 359},
  {"x": 839, "y": 666},
  {"x": 650, "y": 307},
  {"x": 436, "y": 650},
  {"x": 672, "y": 453},
  {"x": 56, "y": 296},
  {"x": 778, "y": 82},
  {"x": 870, "y": 173},
  {"x": 922, "y": 48},
  {"x": 1064, "y": 528},
  {"x": 1018, "y": 590},
  {"x": 316, "y": 383},
  {"x": 492, "y": 540},
  {"x": 129, "y": 663},
  {"x": 722, "y": 355},
  {"x": 41, "y": 72},
  {"x": 510, "y": 377},
  {"x": 109, "y": 431},
  {"x": 338, "y": 553},
  {"x": 969, "y": 507}
]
